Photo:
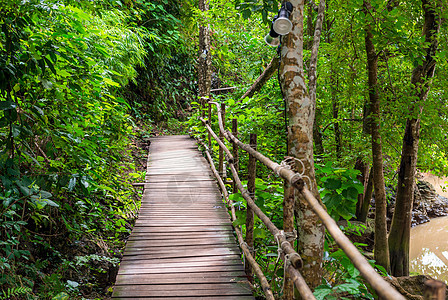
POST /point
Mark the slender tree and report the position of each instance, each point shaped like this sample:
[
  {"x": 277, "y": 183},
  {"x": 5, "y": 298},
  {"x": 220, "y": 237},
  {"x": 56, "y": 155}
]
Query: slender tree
[
  {"x": 381, "y": 247},
  {"x": 301, "y": 111},
  {"x": 421, "y": 79},
  {"x": 204, "y": 56}
]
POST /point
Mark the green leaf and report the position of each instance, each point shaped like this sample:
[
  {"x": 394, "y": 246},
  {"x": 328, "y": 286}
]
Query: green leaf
[
  {"x": 111, "y": 82},
  {"x": 352, "y": 271},
  {"x": 333, "y": 183},
  {"x": 246, "y": 13},
  {"x": 350, "y": 193},
  {"x": 240, "y": 218},
  {"x": 50, "y": 65},
  {"x": 61, "y": 296},
  {"x": 72, "y": 284},
  {"x": 322, "y": 291},
  {"x": 45, "y": 195},
  {"x": 63, "y": 73},
  {"x": 72, "y": 183},
  {"x": 260, "y": 233},
  {"x": 352, "y": 287},
  {"x": 50, "y": 202}
]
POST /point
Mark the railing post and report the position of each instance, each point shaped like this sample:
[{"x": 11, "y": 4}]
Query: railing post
[
  {"x": 210, "y": 123},
  {"x": 221, "y": 167},
  {"x": 434, "y": 290},
  {"x": 235, "y": 151},
  {"x": 252, "y": 168},
  {"x": 288, "y": 227}
]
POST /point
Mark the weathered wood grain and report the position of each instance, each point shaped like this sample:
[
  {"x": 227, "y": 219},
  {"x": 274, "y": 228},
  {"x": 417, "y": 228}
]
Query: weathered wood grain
[{"x": 182, "y": 245}]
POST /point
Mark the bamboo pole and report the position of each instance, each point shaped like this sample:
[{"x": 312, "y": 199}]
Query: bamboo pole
[
  {"x": 278, "y": 234},
  {"x": 288, "y": 226},
  {"x": 299, "y": 282},
  {"x": 210, "y": 121},
  {"x": 221, "y": 168},
  {"x": 220, "y": 143},
  {"x": 252, "y": 170},
  {"x": 235, "y": 151}
]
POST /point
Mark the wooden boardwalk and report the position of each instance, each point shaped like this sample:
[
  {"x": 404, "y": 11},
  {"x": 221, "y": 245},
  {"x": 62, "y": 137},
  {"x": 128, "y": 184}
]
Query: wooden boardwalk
[{"x": 182, "y": 245}]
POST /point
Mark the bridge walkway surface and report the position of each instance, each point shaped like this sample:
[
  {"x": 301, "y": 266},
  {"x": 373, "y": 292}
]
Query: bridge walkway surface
[{"x": 182, "y": 245}]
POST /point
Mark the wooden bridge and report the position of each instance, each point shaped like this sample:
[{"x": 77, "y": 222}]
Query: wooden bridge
[{"x": 182, "y": 245}]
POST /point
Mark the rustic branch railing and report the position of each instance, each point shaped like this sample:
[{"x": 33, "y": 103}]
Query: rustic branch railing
[{"x": 291, "y": 258}]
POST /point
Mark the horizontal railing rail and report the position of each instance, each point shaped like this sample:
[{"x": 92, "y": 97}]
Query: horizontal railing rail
[{"x": 291, "y": 258}]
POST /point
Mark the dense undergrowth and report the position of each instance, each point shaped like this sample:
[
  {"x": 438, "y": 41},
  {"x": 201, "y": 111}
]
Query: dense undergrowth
[{"x": 73, "y": 137}]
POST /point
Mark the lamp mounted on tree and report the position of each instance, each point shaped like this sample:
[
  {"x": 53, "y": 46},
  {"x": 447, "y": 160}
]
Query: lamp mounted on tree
[{"x": 280, "y": 25}]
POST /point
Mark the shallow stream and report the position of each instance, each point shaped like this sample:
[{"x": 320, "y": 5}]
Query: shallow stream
[{"x": 429, "y": 249}]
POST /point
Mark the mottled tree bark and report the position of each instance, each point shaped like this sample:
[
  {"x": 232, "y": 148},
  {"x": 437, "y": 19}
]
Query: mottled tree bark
[
  {"x": 301, "y": 111},
  {"x": 263, "y": 78},
  {"x": 204, "y": 57},
  {"x": 381, "y": 253},
  {"x": 314, "y": 47},
  {"x": 401, "y": 222}
]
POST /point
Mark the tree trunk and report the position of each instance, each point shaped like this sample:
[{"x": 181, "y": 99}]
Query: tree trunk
[
  {"x": 367, "y": 198},
  {"x": 263, "y": 78},
  {"x": 204, "y": 57},
  {"x": 317, "y": 135},
  {"x": 401, "y": 222},
  {"x": 301, "y": 110},
  {"x": 336, "y": 128},
  {"x": 381, "y": 253},
  {"x": 363, "y": 178},
  {"x": 314, "y": 47}
]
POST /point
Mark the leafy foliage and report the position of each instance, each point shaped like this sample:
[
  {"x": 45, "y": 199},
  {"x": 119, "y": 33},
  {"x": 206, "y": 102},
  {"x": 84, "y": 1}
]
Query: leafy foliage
[
  {"x": 339, "y": 190},
  {"x": 64, "y": 134}
]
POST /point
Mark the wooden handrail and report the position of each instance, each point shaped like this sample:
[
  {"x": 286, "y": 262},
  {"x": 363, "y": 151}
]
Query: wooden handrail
[
  {"x": 279, "y": 234},
  {"x": 291, "y": 257},
  {"x": 246, "y": 250},
  {"x": 383, "y": 288}
]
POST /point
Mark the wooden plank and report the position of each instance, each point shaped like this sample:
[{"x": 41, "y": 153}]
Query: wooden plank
[
  {"x": 156, "y": 264},
  {"x": 135, "y": 269},
  {"x": 147, "y": 291},
  {"x": 171, "y": 223},
  {"x": 179, "y": 236},
  {"x": 240, "y": 288},
  {"x": 185, "y": 249},
  {"x": 151, "y": 253},
  {"x": 179, "y": 243},
  {"x": 239, "y": 297},
  {"x": 186, "y": 278},
  {"x": 184, "y": 259},
  {"x": 158, "y": 228}
]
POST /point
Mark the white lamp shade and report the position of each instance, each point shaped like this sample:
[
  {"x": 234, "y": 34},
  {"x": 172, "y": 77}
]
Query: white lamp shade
[
  {"x": 272, "y": 41},
  {"x": 282, "y": 25}
]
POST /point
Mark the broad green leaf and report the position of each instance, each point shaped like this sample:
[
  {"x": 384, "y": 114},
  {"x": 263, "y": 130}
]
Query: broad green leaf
[
  {"x": 321, "y": 292},
  {"x": 350, "y": 193},
  {"x": 63, "y": 73},
  {"x": 333, "y": 183}
]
